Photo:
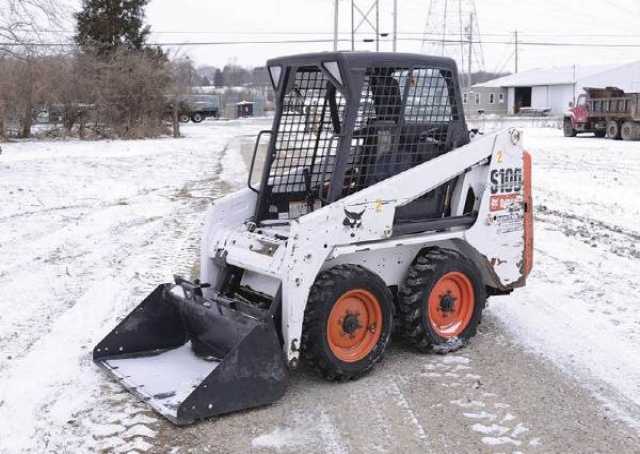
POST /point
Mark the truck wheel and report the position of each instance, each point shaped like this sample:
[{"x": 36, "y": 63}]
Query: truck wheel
[
  {"x": 441, "y": 301},
  {"x": 347, "y": 322},
  {"x": 183, "y": 118},
  {"x": 613, "y": 130},
  {"x": 601, "y": 134},
  {"x": 197, "y": 118},
  {"x": 569, "y": 131},
  {"x": 630, "y": 130}
]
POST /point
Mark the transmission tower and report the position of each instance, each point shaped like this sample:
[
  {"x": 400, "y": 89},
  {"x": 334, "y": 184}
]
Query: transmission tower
[
  {"x": 452, "y": 30},
  {"x": 365, "y": 21}
]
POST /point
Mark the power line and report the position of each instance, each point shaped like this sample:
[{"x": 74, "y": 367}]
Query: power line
[
  {"x": 322, "y": 33},
  {"x": 323, "y": 41}
]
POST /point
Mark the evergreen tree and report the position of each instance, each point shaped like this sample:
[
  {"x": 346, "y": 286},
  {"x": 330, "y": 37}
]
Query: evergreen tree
[
  {"x": 108, "y": 25},
  {"x": 218, "y": 79}
]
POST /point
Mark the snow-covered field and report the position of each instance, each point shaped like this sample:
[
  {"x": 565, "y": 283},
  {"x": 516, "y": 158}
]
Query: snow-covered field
[
  {"x": 582, "y": 306},
  {"x": 87, "y": 229}
]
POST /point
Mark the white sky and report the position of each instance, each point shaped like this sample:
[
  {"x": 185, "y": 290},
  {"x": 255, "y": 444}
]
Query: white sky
[{"x": 224, "y": 20}]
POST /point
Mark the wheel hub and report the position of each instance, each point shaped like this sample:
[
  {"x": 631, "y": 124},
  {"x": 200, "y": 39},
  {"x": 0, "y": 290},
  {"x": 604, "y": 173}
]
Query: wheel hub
[
  {"x": 447, "y": 303},
  {"x": 351, "y": 323},
  {"x": 354, "y": 325}
]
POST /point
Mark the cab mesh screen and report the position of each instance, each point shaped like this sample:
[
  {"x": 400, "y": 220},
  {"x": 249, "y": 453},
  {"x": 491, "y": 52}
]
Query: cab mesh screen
[
  {"x": 306, "y": 141},
  {"x": 402, "y": 121}
]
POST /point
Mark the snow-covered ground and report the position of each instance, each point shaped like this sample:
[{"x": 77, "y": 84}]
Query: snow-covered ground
[
  {"x": 88, "y": 229},
  {"x": 582, "y": 305}
]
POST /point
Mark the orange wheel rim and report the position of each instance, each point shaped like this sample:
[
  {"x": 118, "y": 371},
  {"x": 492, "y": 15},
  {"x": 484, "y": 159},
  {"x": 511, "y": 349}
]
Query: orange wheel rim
[
  {"x": 451, "y": 305},
  {"x": 354, "y": 326}
]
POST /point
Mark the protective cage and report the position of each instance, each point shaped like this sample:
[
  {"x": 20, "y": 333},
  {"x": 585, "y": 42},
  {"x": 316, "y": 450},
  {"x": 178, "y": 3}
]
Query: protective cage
[{"x": 346, "y": 121}]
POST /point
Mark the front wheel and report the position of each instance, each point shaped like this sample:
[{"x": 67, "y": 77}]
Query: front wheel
[
  {"x": 347, "y": 323},
  {"x": 568, "y": 129},
  {"x": 441, "y": 301}
]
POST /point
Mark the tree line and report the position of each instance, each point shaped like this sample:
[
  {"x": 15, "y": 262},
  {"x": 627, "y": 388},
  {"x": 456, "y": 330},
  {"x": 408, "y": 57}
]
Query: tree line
[{"x": 108, "y": 82}]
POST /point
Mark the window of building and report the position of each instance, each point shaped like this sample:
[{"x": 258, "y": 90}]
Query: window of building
[
  {"x": 492, "y": 98},
  {"x": 477, "y": 98},
  {"x": 465, "y": 98},
  {"x": 501, "y": 98}
]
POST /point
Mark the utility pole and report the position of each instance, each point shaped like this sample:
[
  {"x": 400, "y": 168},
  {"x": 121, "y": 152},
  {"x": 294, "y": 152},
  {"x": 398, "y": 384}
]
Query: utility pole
[
  {"x": 517, "y": 56},
  {"x": 470, "y": 61},
  {"x": 395, "y": 25},
  {"x": 336, "y": 23},
  {"x": 377, "y": 27},
  {"x": 444, "y": 25}
]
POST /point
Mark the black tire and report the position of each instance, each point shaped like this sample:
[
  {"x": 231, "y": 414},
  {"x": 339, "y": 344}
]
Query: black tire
[
  {"x": 613, "y": 130},
  {"x": 328, "y": 289},
  {"x": 601, "y": 134},
  {"x": 568, "y": 129},
  {"x": 427, "y": 270},
  {"x": 183, "y": 118},
  {"x": 630, "y": 131},
  {"x": 197, "y": 118}
]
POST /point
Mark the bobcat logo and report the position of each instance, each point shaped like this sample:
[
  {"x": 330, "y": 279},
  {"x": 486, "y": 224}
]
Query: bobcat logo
[{"x": 353, "y": 219}]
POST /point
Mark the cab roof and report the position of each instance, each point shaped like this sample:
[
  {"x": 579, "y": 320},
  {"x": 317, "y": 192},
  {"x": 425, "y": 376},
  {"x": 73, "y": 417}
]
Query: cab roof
[{"x": 365, "y": 59}]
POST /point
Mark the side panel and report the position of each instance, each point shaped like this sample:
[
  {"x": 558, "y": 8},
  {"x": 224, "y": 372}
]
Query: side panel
[
  {"x": 499, "y": 232},
  {"x": 226, "y": 214}
]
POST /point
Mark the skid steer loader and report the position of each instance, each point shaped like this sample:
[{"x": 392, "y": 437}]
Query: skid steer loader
[{"x": 375, "y": 212}]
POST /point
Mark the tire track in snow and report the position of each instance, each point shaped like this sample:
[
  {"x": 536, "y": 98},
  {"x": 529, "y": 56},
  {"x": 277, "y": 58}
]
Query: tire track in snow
[
  {"x": 487, "y": 415},
  {"x": 114, "y": 421}
]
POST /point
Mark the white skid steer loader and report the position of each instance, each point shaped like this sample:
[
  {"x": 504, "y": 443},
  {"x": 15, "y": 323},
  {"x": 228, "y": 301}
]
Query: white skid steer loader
[{"x": 375, "y": 213}]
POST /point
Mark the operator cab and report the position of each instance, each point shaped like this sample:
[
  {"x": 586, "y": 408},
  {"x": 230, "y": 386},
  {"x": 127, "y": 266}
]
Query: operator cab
[{"x": 346, "y": 121}]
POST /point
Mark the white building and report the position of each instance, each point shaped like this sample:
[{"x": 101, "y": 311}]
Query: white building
[{"x": 549, "y": 89}]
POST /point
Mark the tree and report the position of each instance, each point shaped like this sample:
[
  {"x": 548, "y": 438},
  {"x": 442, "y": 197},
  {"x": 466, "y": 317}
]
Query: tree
[
  {"x": 109, "y": 25},
  {"x": 218, "y": 79},
  {"x": 23, "y": 25},
  {"x": 235, "y": 75}
]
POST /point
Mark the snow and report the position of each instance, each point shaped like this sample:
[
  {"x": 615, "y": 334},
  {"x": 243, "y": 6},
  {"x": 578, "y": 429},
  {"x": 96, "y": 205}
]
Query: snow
[
  {"x": 563, "y": 75},
  {"x": 167, "y": 378},
  {"x": 87, "y": 230},
  {"x": 581, "y": 306}
]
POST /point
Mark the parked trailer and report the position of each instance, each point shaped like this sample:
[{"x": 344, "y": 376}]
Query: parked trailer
[{"x": 606, "y": 112}]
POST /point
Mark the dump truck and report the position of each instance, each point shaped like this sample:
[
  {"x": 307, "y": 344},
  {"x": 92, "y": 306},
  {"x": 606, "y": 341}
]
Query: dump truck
[
  {"x": 606, "y": 112},
  {"x": 375, "y": 214}
]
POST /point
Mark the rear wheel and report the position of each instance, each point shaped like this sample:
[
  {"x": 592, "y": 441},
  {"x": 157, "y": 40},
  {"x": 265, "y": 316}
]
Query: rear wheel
[
  {"x": 197, "y": 118},
  {"x": 613, "y": 130},
  {"x": 630, "y": 130},
  {"x": 347, "y": 322},
  {"x": 183, "y": 118},
  {"x": 569, "y": 131},
  {"x": 441, "y": 302}
]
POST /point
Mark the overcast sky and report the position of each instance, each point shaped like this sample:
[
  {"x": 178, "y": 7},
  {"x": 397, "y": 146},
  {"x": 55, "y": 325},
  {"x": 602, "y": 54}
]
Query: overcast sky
[{"x": 549, "y": 20}]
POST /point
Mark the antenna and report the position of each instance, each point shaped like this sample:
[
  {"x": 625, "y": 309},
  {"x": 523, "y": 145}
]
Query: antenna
[{"x": 452, "y": 30}]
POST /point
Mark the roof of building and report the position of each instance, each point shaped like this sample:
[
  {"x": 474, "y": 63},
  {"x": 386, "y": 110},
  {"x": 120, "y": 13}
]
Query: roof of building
[{"x": 565, "y": 75}]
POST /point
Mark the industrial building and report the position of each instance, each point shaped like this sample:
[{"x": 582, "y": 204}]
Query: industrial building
[{"x": 547, "y": 91}]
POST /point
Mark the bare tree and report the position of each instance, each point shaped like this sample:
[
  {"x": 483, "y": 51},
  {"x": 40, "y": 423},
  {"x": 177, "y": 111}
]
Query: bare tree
[{"x": 24, "y": 25}]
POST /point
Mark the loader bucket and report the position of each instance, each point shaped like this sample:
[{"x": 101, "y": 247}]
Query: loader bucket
[{"x": 152, "y": 354}]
